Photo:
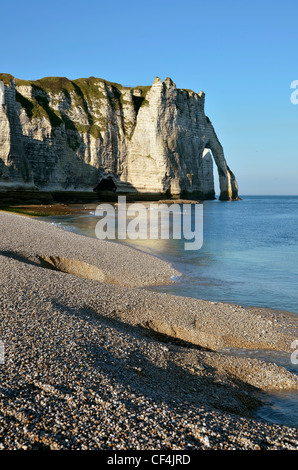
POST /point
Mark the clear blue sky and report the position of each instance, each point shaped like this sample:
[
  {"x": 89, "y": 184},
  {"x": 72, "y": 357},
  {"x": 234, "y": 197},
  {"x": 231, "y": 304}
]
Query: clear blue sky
[{"x": 242, "y": 54}]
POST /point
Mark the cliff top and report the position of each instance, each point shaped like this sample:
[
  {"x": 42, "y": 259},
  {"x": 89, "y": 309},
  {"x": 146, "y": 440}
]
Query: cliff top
[
  {"x": 88, "y": 85},
  {"x": 58, "y": 84}
]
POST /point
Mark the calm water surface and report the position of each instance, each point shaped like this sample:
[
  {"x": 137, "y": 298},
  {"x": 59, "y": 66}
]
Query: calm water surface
[{"x": 249, "y": 257}]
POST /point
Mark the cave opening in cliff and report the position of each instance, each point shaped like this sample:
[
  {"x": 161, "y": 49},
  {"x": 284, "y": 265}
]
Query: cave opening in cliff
[{"x": 106, "y": 184}]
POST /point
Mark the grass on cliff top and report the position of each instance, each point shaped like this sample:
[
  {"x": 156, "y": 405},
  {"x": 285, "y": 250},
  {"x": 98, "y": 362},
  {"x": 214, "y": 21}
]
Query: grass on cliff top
[
  {"x": 6, "y": 78},
  {"x": 88, "y": 86},
  {"x": 83, "y": 92},
  {"x": 58, "y": 84}
]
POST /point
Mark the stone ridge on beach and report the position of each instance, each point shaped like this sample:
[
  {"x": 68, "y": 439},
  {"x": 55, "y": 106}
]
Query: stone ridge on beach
[{"x": 93, "y": 360}]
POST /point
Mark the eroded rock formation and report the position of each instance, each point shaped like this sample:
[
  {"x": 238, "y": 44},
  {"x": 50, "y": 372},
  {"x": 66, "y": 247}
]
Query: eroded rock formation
[{"x": 58, "y": 134}]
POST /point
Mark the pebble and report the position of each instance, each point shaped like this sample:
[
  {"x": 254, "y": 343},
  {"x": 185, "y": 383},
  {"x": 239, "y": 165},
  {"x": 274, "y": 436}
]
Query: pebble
[{"x": 78, "y": 377}]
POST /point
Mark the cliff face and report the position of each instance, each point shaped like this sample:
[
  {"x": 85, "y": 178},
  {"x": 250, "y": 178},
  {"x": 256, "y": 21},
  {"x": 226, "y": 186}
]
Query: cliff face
[{"x": 57, "y": 134}]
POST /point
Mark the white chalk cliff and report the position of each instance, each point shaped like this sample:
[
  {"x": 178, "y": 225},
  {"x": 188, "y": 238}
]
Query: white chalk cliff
[{"x": 66, "y": 135}]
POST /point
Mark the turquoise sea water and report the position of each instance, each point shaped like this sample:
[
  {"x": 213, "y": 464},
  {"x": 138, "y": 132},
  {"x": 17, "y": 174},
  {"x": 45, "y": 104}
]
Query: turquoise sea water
[{"x": 249, "y": 257}]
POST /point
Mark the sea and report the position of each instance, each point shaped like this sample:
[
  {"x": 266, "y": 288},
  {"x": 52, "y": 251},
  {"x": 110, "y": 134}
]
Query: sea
[{"x": 249, "y": 257}]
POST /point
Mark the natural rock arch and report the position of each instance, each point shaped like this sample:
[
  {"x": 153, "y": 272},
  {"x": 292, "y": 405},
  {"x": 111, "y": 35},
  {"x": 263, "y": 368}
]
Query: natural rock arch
[{"x": 227, "y": 181}]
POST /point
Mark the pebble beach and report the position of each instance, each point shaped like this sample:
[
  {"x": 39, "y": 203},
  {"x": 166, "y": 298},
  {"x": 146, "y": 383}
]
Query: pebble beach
[{"x": 95, "y": 361}]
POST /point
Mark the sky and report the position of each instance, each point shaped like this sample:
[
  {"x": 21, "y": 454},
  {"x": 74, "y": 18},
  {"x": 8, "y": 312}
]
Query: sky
[{"x": 243, "y": 55}]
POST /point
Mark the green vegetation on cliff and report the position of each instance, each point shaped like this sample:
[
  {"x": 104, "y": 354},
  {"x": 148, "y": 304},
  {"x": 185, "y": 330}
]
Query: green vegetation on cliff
[
  {"x": 6, "y": 78},
  {"x": 56, "y": 99}
]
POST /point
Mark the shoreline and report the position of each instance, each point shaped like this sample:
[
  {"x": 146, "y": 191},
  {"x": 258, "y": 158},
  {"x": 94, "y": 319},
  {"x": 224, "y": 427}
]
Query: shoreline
[
  {"x": 57, "y": 209},
  {"x": 83, "y": 288},
  {"x": 42, "y": 211}
]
